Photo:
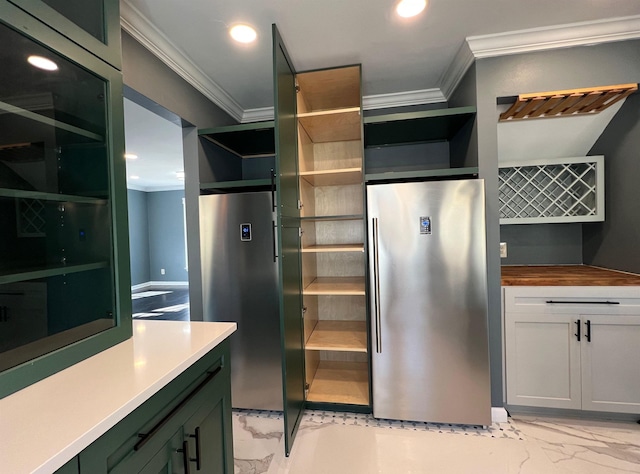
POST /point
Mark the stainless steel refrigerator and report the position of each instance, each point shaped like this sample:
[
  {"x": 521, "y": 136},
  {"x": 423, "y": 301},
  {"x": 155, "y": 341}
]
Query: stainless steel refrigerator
[
  {"x": 240, "y": 284},
  {"x": 427, "y": 258}
]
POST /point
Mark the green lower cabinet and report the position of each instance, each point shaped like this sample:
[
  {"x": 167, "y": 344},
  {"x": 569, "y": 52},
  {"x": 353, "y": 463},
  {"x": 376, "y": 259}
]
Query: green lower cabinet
[
  {"x": 185, "y": 426},
  {"x": 71, "y": 467}
]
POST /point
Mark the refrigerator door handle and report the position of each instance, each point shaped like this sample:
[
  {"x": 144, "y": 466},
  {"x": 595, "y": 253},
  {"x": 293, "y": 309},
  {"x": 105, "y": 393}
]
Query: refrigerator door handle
[
  {"x": 273, "y": 190},
  {"x": 376, "y": 286},
  {"x": 273, "y": 234}
]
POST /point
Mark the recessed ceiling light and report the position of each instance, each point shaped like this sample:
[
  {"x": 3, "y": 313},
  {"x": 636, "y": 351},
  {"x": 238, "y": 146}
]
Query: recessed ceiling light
[
  {"x": 243, "y": 33},
  {"x": 180, "y": 174},
  {"x": 131, "y": 156},
  {"x": 42, "y": 63},
  {"x": 409, "y": 8},
  {"x": 134, "y": 176}
]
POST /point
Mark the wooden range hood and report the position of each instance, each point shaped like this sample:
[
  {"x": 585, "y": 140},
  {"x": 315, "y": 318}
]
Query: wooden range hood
[{"x": 568, "y": 102}]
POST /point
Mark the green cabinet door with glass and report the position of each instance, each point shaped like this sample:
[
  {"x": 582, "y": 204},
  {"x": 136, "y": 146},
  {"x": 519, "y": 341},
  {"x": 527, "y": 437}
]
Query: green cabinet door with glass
[{"x": 64, "y": 265}]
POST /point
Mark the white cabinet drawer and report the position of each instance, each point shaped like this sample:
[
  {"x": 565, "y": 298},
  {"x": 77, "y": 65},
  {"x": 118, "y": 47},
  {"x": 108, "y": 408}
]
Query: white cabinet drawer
[{"x": 623, "y": 300}]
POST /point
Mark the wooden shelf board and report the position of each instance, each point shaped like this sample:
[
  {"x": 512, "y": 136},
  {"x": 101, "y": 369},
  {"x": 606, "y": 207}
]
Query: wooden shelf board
[
  {"x": 346, "y": 336},
  {"x": 336, "y": 286},
  {"x": 415, "y": 127},
  {"x": 12, "y": 109},
  {"x": 334, "y": 248},
  {"x": 332, "y": 125},
  {"x": 244, "y": 140},
  {"x": 350, "y": 217},
  {"x": 340, "y": 382},
  {"x": 33, "y": 273},
  {"x": 337, "y": 177},
  {"x": 18, "y": 193},
  {"x": 398, "y": 175}
]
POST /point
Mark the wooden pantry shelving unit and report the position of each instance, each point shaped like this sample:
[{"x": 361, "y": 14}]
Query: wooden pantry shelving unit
[{"x": 331, "y": 183}]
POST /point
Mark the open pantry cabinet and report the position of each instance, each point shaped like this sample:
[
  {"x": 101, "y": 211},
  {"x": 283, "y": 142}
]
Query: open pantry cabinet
[
  {"x": 320, "y": 191},
  {"x": 330, "y": 151}
]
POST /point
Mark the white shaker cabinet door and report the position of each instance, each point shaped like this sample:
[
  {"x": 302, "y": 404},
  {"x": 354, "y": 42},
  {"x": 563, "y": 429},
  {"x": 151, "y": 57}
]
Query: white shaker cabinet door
[
  {"x": 542, "y": 360},
  {"x": 611, "y": 363}
]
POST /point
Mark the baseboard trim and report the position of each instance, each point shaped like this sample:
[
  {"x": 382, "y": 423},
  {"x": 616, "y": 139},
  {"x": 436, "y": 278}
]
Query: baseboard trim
[
  {"x": 499, "y": 415},
  {"x": 142, "y": 286}
]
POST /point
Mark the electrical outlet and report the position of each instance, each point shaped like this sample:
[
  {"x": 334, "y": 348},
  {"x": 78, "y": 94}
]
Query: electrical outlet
[
  {"x": 503, "y": 250},
  {"x": 162, "y": 271}
]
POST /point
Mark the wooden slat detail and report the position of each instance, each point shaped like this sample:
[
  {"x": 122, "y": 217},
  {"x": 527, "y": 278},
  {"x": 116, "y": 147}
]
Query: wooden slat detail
[
  {"x": 340, "y": 382},
  {"x": 567, "y": 102},
  {"x": 348, "y": 336}
]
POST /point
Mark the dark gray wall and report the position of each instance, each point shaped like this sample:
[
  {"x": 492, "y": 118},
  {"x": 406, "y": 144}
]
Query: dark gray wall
[
  {"x": 166, "y": 236},
  {"x": 542, "y": 244},
  {"x": 138, "y": 236},
  {"x": 146, "y": 74},
  {"x": 612, "y": 63},
  {"x": 614, "y": 243}
]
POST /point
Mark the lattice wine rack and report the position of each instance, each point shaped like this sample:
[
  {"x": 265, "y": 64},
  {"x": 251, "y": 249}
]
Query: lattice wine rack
[{"x": 545, "y": 191}]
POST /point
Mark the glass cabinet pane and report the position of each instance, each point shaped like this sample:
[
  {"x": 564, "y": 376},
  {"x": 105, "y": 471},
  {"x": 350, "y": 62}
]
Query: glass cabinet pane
[
  {"x": 87, "y": 14},
  {"x": 56, "y": 237}
]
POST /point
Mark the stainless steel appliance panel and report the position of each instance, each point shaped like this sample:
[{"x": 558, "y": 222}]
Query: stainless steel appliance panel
[
  {"x": 427, "y": 249},
  {"x": 240, "y": 284}
]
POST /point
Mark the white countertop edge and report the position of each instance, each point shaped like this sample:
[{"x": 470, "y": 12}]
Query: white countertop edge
[
  {"x": 113, "y": 419},
  {"x": 16, "y": 462}
]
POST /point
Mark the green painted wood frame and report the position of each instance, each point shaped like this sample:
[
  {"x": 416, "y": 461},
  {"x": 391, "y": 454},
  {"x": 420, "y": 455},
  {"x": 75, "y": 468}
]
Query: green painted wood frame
[
  {"x": 289, "y": 253},
  {"x": 34, "y": 370},
  {"x": 109, "y": 50}
]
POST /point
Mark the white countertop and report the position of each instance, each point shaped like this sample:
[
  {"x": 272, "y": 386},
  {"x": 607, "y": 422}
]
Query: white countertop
[{"x": 46, "y": 424}]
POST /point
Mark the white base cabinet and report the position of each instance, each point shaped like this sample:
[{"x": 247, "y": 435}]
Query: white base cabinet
[{"x": 573, "y": 347}]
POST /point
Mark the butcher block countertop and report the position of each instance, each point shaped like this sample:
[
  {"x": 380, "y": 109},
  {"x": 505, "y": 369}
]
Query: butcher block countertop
[{"x": 565, "y": 275}]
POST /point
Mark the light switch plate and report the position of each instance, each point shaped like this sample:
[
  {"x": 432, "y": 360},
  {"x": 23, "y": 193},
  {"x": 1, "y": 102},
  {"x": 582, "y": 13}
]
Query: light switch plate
[{"x": 503, "y": 250}]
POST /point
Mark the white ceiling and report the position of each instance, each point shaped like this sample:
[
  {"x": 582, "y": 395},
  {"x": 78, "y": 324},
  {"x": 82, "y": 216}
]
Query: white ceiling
[
  {"x": 397, "y": 55},
  {"x": 404, "y": 62},
  {"x": 158, "y": 144}
]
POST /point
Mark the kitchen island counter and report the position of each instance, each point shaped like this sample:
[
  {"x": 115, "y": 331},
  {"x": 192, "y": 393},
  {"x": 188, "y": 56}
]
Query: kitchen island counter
[
  {"x": 48, "y": 423},
  {"x": 565, "y": 275}
]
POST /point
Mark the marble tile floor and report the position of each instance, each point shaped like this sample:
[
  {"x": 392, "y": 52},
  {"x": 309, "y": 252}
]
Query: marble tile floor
[
  {"x": 163, "y": 304},
  {"x": 525, "y": 444}
]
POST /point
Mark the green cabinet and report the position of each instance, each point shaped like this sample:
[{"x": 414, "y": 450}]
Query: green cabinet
[
  {"x": 427, "y": 144},
  {"x": 92, "y": 24},
  {"x": 64, "y": 265},
  {"x": 186, "y": 427}
]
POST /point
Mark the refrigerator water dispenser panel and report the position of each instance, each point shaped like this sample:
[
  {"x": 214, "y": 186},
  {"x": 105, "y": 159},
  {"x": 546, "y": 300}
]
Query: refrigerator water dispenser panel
[
  {"x": 425, "y": 225},
  {"x": 245, "y": 232}
]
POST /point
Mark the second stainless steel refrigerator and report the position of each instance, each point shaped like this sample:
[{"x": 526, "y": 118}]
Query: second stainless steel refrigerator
[
  {"x": 427, "y": 261},
  {"x": 240, "y": 284}
]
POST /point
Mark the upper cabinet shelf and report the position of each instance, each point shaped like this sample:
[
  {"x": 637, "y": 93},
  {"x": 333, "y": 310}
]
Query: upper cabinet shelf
[
  {"x": 328, "y": 90},
  {"x": 416, "y": 127},
  {"x": 245, "y": 140},
  {"x": 337, "y": 177},
  {"x": 332, "y": 125}
]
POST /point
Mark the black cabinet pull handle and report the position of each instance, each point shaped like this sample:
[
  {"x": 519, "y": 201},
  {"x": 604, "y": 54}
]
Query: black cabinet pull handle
[
  {"x": 186, "y": 459},
  {"x": 273, "y": 190},
  {"x": 273, "y": 234},
  {"x": 197, "y": 437},
  {"x": 588, "y": 330},
  {"x": 145, "y": 437},
  {"x": 582, "y": 302},
  {"x": 578, "y": 328}
]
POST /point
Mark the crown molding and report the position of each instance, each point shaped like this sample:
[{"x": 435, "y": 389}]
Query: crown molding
[
  {"x": 457, "y": 69},
  {"x": 370, "y": 102},
  {"x": 137, "y": 25},
  {"x": 553, "y": 37},
  {"x": 402, "y": 99},
  {"x": 257, "y": 115}
]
